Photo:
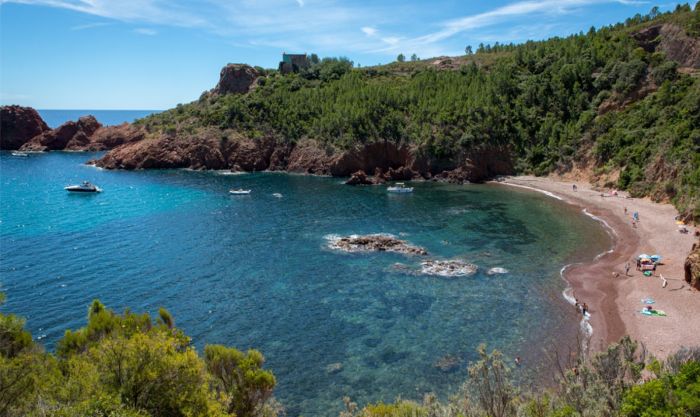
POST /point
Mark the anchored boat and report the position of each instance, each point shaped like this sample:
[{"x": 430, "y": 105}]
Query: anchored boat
[
  {"x": 239, "y": 191},
  {"x": 84, "y": 187},
  {"x": 400, "y": 188}
]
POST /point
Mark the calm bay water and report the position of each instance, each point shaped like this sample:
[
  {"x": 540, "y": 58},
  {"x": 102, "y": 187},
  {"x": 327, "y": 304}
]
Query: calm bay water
[
  {"x": 55, "y": 118},
  {"x": 254, "y": 271}
]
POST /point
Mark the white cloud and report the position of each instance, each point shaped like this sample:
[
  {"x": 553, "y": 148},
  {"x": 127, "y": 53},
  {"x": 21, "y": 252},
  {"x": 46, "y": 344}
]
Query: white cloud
[
  {"x": 145, "y": 31},
  {"x": 327, "y": 27},
  {"x": 369, "y": 31},
  {"x": 90, "y": 25}
]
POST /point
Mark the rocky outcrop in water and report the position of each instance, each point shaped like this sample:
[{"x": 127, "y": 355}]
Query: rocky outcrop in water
[
  {"x": 448, "y": 268},
  {"x": 692, "y": 267},
  {"x": 18, "y": 125},
  {"x": 374, "y": 243},
  {"x": 360, "y": 178}
]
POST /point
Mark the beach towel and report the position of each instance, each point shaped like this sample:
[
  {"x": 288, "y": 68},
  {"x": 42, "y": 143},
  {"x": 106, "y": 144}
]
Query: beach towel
[
  {"x": 648, "y": 300},
  {"x": 657, "y": 313}
]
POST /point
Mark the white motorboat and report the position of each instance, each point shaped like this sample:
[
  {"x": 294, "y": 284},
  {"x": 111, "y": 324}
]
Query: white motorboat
[
  {"x": 278, "y": 195},
  {"x": 400, "y": 188},
  {"x": 84, "y": 187},
  {"x": 20, "y": 154},
  {"x": 239, "y": 191}
]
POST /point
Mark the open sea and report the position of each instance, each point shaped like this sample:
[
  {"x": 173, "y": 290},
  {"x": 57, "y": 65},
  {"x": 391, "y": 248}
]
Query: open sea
[
  {"x": 55, "y": 118},
  {"x": 255, "y": 271}
]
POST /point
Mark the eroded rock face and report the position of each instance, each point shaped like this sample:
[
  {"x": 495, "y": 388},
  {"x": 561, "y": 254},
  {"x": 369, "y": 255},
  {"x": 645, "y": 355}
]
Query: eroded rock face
[
  {"x": 109, "y": 137},
  {"x": 69, "y": 136},
  {"x": 673, "y": 41},
  {"x": 18, "y": 125},
  {"x": 236, "y": 78},
  {"x": 692, "y": 267},
  {"x": 374, "y": 243}
]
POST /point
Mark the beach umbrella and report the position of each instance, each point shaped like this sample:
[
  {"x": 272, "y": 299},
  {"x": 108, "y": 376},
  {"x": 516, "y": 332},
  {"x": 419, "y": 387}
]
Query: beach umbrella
[
  {"x": 655, "y": 258},
  {"x": 644, "y": 255}
]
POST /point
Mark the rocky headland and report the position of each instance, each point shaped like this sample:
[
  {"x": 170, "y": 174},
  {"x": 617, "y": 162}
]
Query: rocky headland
[{"x": 23, "y": 129}]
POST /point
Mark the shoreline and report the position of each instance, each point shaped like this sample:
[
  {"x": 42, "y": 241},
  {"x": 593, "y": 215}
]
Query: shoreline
[{"x": 615, "y": 302}]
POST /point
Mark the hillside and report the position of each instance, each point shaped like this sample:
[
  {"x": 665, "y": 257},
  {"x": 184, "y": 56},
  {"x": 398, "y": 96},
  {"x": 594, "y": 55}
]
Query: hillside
[{"x": 619, "y": 106}]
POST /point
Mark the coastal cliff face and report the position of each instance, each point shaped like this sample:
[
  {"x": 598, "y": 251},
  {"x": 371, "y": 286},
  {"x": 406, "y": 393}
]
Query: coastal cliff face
[
  {"x": 19, "y": 124},
  {"x": 672, "y": 41},
  {"x": 212, "y": 149}
]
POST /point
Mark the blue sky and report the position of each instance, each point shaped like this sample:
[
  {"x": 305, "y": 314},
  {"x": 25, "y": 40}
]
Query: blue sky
[{"x": 153, "y": 54}]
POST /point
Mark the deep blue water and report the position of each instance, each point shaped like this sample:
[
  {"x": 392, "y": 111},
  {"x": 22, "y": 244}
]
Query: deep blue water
[
  {"x": 55, "y": 118},
  {"x": 254, "y": 271}
]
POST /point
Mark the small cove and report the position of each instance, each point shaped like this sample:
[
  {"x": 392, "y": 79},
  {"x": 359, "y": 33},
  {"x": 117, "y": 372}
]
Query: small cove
[{"x": 255, "y": 271}]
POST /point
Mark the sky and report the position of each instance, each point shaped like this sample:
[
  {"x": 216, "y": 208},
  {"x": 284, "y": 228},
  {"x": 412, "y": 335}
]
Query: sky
[{"x": 154, "y": 54}]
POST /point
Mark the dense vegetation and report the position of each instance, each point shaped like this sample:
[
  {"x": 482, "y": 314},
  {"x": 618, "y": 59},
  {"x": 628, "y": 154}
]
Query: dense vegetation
[
  {"x": 598, "y": 100},
  {"x": 130, "y": 366}
]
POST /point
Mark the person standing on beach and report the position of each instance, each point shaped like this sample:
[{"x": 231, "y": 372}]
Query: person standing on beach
[
  {"x": 627, "y": 269},
  {"x": 575, "y": 188}
]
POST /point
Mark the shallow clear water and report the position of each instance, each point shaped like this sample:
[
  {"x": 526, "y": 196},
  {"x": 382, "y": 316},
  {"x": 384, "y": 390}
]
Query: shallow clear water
[
  {"x": 55, "y": 118},
  {"x": 254, "y": 271}
]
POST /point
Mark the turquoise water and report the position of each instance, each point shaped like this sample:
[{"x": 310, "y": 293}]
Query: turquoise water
[
  {"x": 55, "y": 118},
  {"x": 255, "y": 271}
]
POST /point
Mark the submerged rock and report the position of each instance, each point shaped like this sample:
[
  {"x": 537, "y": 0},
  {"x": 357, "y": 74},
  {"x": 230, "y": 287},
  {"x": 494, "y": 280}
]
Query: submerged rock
[
  {"x": 447, "y": 363},
  {"x": 448, "y": 268},
  {"x": 334, "y": 368},
  {"x": 374, "y": 243}
]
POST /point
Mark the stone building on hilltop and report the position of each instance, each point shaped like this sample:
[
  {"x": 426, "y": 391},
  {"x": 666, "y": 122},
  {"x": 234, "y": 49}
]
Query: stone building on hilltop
[{"x": 293, "y": 63}]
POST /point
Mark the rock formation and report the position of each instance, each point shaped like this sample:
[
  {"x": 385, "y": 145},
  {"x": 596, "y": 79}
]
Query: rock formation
[
  {"x": 236, "y": 78},
  {"x": 374, "y": 243},
  {"x": 692, "y": 267},
  {"x": 70, "y": 135},
  {"x": 360, "y": 178},
  {"x": 18, "y": 125}
]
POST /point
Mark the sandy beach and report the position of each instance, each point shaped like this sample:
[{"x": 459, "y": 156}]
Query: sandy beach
[{"x": 615, "y": 302}]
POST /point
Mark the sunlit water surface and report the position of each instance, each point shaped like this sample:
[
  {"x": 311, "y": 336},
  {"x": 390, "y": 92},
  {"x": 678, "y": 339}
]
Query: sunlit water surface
[{"x": 254, "y": 271}]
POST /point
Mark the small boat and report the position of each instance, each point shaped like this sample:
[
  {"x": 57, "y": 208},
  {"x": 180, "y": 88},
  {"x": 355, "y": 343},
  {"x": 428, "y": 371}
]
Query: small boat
[
  {"x": 278, "y": 195},
  {"x": 85, "y": 187},
  {"x": 20, "y": 154},
  {"x": 400, "y": 188},
  {"x": 239, "y": 191}
]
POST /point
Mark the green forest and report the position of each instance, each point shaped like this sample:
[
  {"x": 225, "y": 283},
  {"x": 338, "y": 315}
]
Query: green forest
[
  {"x": 605, "y": 101},
  {"x": 129, "y": 365}
]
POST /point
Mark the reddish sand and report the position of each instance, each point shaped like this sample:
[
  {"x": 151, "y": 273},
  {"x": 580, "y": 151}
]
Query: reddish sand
[{"x": 615, "y": 302}]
